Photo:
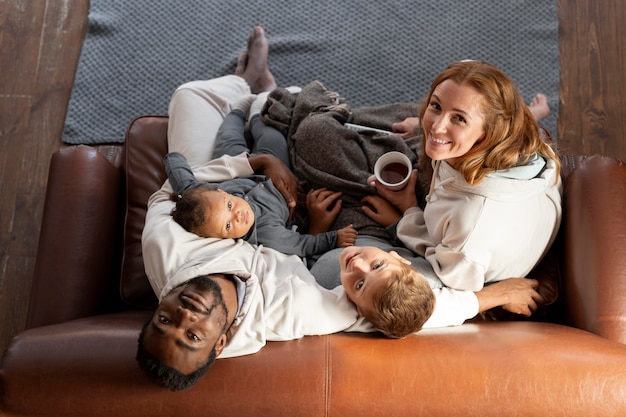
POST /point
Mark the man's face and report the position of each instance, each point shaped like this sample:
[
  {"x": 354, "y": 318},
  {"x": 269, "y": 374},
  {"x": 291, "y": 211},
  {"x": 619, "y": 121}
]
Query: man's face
[
  {"x": 366, "y": 271},
  {"x": 187, "y": 325}
]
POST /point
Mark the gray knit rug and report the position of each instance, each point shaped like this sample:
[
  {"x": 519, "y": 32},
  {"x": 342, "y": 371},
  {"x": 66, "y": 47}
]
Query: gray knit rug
[{"x": 372, "y": 52}]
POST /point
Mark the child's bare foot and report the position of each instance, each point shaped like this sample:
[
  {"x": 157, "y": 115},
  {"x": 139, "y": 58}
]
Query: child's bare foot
[
  {"x": 539, "y": 106},
  {"x": 252, "y": 64}
]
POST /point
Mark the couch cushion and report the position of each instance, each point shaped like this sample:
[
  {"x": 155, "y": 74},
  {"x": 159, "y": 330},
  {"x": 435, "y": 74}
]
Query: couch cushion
[
  {"x": 145, "y": 147},
  {"x": 86, "y": 367}
]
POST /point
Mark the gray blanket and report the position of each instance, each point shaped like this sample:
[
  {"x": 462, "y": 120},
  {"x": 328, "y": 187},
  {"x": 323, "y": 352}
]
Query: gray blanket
[{"x": 324, "y": 153}]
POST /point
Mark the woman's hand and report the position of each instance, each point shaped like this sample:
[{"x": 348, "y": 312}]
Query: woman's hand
[
  {"x": 323, "y": 206},
  {"x": 517, "y": 295},
  {"x": 380, "y": 210},
  {"x": 406, "y": 128},
  {"x": 284, "y": 180},
  {"x": 403, "y": 199}
]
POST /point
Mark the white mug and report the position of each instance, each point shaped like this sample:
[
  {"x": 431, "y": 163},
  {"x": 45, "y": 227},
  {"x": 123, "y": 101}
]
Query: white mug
[{"x": 393, "y": 170}]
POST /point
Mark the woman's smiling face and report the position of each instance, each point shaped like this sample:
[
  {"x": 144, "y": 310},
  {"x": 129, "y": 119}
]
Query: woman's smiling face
[{"x": 453, "y": 121}]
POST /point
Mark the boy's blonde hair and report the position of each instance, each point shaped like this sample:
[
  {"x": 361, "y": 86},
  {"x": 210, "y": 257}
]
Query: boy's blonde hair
[{"x": 405, "y": 305}]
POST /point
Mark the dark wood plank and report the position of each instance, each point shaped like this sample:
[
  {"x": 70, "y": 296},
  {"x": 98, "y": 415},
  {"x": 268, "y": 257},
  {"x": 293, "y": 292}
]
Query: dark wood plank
[
  {"x": 40, "y": 43},
  {"x": 592, "y": 48}
]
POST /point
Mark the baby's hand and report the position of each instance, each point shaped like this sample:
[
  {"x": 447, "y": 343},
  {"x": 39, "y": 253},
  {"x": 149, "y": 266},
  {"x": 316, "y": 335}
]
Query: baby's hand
[{"x": 346, "y": 237}]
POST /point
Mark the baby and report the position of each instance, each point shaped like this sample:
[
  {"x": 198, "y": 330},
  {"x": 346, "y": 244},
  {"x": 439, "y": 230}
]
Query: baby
[{"x": 250, "y": 208}]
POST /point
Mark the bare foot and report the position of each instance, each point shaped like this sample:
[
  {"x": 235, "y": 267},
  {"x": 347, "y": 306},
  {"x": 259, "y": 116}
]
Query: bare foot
[
  {"x": 242, "y": 61},
  {"x": 252, "y": 64},
  {"x": 539, "y": 106}
]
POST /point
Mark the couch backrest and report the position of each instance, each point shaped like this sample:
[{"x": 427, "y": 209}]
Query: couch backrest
[
  {"x": 594, "y": 265},
  {"x": 78, "y": 252},
  {"x": 145, "y": 147}
]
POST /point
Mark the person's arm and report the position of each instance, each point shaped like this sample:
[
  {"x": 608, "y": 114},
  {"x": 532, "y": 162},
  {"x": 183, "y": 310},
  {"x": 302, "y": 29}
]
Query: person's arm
[
  {"x": 453, "y": 307},
  {"x": 228, "y": 167},
  {"x": 284, "y": 180},
  {"x": 179, "y": 172},
  {"x": 290, "y": 242},
  {"x": 517, "y": 295},
  {"x": 451, "y": 259}
]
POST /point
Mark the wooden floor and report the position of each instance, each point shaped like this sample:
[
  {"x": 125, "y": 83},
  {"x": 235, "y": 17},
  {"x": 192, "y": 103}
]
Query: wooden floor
[{"x": 40, "y": 43}]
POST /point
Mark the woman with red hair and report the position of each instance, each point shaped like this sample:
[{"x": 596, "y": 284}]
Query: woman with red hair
[{"x": 494, "y": 202}]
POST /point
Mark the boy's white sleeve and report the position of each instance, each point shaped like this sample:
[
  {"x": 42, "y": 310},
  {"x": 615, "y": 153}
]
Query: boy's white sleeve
[{"x": 452, "y": 308}]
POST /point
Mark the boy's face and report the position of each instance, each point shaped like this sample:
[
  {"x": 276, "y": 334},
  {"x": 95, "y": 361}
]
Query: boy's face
[
  {"x": 365, "y": 271},
  {"x": 226, "y": 216}
]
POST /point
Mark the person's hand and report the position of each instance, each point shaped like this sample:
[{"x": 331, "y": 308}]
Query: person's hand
[
  {"x": 403, "y": 199},
  {"x": 380, "y": 210},
  {"x": 517, "y": 295},
  {"x": 284, "y": 180},
  {"x": 346, "y": 237},
  {"x": 406, "y": 128},
  {"x": 323, "y": 206},
  {"x": 523, "y": 296}
]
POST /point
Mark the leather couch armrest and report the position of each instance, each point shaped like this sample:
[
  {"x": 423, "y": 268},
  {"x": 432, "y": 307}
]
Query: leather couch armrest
[
  {"x": 595, "y": 247},
  {"x": 77, "y": 259}
]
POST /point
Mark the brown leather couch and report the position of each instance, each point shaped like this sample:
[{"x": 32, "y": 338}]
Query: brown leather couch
[{"x": 90, "y": 298}]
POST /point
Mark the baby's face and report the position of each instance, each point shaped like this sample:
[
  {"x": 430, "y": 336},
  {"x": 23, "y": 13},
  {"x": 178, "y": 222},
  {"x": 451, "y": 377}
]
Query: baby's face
[
  {"x": 226, "y": 216},
  {"x": 366, "y": 271}
]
